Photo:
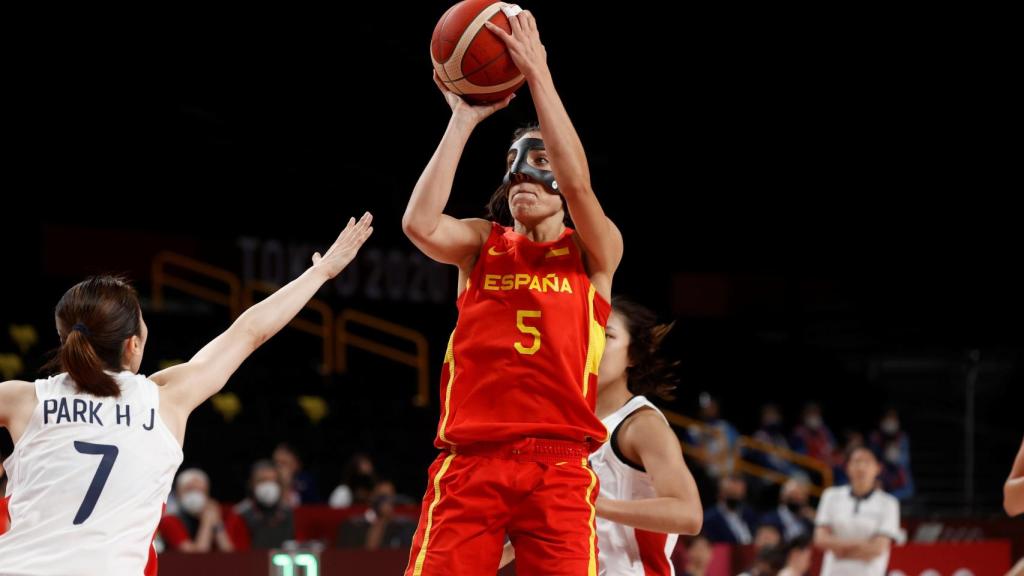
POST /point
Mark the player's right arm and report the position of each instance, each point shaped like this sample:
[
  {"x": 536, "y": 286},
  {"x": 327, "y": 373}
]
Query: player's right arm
[
  {"x": 440, "y": 236},
  {"x": 17, "y": 401}
]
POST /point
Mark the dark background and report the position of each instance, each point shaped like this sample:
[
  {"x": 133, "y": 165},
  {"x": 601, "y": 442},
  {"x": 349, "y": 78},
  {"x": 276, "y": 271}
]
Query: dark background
[{"x": 813, "y": 197}]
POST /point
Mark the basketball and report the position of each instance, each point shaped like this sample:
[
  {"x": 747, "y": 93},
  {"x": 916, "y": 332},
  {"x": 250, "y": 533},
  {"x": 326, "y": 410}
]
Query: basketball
[{"x": 471, "y": 60}]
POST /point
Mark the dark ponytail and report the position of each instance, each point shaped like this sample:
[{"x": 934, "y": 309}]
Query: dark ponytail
[{"x": 94, "y": 318}]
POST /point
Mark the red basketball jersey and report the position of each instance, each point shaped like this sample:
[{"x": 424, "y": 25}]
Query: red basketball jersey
[{"x": 523, "y": 358}]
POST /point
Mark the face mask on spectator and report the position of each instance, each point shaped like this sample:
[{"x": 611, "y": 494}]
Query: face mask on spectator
[
  {"x": 892, "y": 453},
  {"x": 813, "y": 422},
  {"x": 794, "y": 507},
  {"x": 732, "y": 503},
  {"x": 193, "y": 502},
  {"x": 267, "y": 493}
]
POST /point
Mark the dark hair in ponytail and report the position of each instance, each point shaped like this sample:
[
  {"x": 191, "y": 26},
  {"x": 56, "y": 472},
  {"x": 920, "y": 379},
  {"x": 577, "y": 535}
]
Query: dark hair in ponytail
[
  {"x": 94, "y": 318},
  {"x": 650, "y": 374}
]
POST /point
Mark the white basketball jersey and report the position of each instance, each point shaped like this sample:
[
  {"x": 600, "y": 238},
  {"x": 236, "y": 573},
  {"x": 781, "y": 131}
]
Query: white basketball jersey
[
  {"x": 88, "y": 480},
  {"x": 623, "y": 550}
]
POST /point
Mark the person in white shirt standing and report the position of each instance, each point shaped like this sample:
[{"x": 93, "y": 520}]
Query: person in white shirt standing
[
  {"x": 96, "y": 446},
  {"x": 857, "y": 523}
]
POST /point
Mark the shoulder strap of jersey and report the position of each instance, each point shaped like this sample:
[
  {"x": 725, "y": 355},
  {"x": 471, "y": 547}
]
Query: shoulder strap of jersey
[{"x": 636, "y": 404}]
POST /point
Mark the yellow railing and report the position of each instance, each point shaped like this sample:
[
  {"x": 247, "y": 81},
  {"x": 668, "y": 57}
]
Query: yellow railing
[
  {"x": 803, "y": 461},
  {"x": 324, "y": 330},
  {"x": 721, "y": 460},
  {"x": 735, "y": 458},
  {"x": 418, "y": 360},
  {"x": 162, "y": 278},
  {"x": 333, "y": 330}
]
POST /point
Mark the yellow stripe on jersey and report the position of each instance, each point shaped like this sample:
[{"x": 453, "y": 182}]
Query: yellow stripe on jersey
[
  {"x": 449, "y": 359},
  {"x": 595, "y": 344}
]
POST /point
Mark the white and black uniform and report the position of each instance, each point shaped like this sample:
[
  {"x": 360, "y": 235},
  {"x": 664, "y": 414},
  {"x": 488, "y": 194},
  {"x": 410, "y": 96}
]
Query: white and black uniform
[
  {"x": 88, "y": 481},
  {"x": 623, "y": 550}
]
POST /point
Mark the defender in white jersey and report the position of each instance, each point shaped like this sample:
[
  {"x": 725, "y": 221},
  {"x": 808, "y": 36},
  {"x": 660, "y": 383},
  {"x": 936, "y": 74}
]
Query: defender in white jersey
[
  {"x": 647, "y": 494},
  {"x": 96, "y": 446}
]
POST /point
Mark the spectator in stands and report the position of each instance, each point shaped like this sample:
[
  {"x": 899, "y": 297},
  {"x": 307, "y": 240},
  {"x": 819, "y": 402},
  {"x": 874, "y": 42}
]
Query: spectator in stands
[
  {"x": 793, "y": 517},
  {"x": 767, "y": 536},
  {"x": 730, "y": 521},
  {"x": 698, "y": 556},
  {"x": 893, "y": 445},
  {"x": 857, "y": 523},
  {"x": 717, "y": 442},
  {"x": 357, "y": 483},
  {"x": 379, "y": 528},
  {"x": 771, "y": 432},
  {"x": 813, "y": 438},
  {"x": 798, "y": 557},
  {"x": 299, "y": 485},
  {"x": 201, "y": 524},
  {"x": 1013, "y": 490},
  {"x": 268, "y": 518},
  {"x": 767, "y": 563}
]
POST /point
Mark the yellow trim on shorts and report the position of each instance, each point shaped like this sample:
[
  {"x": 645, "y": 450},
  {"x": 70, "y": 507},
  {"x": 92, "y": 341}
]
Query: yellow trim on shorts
[
  {"x": 422, "y": 556},
  {"x": 592, "y": 562}
]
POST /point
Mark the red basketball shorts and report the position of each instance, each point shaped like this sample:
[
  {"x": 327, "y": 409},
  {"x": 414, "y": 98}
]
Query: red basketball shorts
[{"x": 540, "y": 493}]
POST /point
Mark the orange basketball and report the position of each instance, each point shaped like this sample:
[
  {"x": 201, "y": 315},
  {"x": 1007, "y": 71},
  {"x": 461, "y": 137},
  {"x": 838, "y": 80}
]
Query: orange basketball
[{"x": 469, "y": 58}]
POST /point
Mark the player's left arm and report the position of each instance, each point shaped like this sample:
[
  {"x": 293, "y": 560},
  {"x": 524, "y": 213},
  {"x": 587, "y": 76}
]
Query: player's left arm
[
  {"x": 600, "y": 238},
  {"x": 676, "y": 508},
  {"x": 186, "y": 386},
  {"x": 1013, "y": 491}
]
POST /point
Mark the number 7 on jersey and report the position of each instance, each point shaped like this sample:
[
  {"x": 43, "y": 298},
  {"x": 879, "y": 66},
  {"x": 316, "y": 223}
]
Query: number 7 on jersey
[{"x": 92, "y": 495}]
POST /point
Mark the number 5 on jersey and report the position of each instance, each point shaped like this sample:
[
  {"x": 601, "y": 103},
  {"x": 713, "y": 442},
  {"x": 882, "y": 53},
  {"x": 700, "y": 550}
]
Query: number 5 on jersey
[{"x": 521, "y": 316}]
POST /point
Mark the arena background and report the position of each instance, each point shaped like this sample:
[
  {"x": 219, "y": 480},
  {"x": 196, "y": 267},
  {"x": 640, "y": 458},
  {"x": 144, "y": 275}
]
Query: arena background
[{"x": 811, "y": 203}]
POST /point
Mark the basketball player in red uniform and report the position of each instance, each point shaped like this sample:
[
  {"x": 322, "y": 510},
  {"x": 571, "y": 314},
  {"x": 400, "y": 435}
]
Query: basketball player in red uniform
[{"x": 519, "y": 382}]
